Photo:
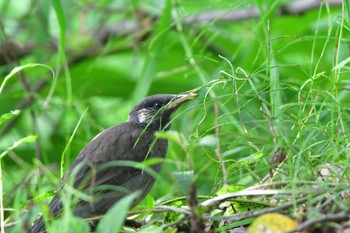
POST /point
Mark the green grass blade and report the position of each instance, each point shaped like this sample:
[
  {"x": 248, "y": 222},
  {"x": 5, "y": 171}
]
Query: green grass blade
[
  {"x": 27, "y": 139},
  {"x": 63, "y": 159},
  {"x": 154, "y": 54},
  {"x": 7, "y": 116},
  {"x": 115, "y": 217},
  {"x": 20, "y": 68}
]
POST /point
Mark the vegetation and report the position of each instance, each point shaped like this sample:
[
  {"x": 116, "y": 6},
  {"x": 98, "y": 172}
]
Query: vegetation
[{"x": 268, "y": 133}]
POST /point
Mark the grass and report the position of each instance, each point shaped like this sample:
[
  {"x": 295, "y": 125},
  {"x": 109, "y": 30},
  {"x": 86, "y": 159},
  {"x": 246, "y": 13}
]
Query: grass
[{"x": 269, "y": 132}]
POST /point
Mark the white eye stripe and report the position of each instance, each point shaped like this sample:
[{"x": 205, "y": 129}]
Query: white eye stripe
[{"x": 144, "y": 115}]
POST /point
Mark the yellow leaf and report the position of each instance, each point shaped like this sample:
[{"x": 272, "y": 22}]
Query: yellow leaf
[{"x": 272, "y": 223}]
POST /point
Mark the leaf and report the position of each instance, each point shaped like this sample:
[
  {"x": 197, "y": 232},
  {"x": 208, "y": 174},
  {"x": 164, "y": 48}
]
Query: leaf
[
  {"x": 18, "y": 69},
  {"x": 236, "y": 150},
  {"x": 7, "y": 116},
  {"x": 248, "y": 160},
  {"x": 208, "y": 141},
  {"x": 115, "y": 217},
  {"x": 154, "y": 229},
  {"x": 184, "y": 179},
  {"x": 69, "y": 143},
  {"x": 230, "y": 189},
  {"x": 43, "y": 196},
  {"x": 73, "y": 225},
  {"x": 27, "y": 139},
  {"x": 149, "y": 201},
  {"x": 152, "y": 161},
  {"x": 272, "y": 223},
  {"x": 171, "y": 135},
  {"x": 341, "y": 64},
  {"x": 57, "y": 6}
]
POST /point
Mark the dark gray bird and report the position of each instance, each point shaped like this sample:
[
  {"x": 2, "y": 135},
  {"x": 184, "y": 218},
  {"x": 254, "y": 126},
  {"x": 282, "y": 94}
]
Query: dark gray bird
[{"x": 97, "y": 171}]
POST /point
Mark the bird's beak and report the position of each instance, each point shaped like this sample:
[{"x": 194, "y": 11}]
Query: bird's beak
[{"x": 180, "y": 99}]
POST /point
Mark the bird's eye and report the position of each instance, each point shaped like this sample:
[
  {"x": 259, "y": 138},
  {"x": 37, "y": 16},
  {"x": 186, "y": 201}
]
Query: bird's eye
[{"x": 158, "y": 105}]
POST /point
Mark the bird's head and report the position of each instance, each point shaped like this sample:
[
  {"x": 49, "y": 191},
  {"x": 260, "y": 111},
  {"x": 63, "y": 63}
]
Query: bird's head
[{"x": 155, "y": 112}]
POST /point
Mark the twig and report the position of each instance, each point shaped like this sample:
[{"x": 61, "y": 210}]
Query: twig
[
  {"x": 217, "y": 149},
  {"x": 158, "y": 209},
  {"x": 279, "y": 184},
  {"x": 325, "y": 218},
  {"x": 10, "y": 224},
  {"x": 196, "y": 222},
  {"x": 279, "y": 157},
  {"x": 254, "y": 213},
  {"x": 239, "y": 14},
  {"x": 11, "y": 49},
  {"x": 301, "y": 6},
  {"x": 163, "y": 208},
  {"x": 217, "y": 200}
]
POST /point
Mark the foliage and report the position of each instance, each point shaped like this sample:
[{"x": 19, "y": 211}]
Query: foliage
[{"x": 273, "y": 111}]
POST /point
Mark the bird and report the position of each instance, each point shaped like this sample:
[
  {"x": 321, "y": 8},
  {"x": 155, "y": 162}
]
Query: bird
[{"x": 96, "y": 172}]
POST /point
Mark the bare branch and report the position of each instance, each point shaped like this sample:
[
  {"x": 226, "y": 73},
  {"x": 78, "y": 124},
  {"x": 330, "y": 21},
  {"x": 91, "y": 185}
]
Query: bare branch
[
  {"x": 325, "y": 218},
  {"x": 217, "y": 149},
  {"x": 293, "y": 8},
  {"x": 217, "y": 200},
  {"x": 254, "y": 213}
]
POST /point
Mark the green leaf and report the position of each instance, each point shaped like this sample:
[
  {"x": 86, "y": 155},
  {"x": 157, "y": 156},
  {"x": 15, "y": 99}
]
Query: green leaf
[
  {"x": 57, "y": 6},
  {"x": 152, "y": 161},
  {"x": 248, "y": 160},
  {"x": 7, "y": 116},
  {"x": 63, "y": 159},
  {"x": 115, "y": 217},
  {"x": 184, "y": 179},
  {"x": 149, "y": 201},
  {"x": 230, "y": 189},
  {"x": 154, "y": 229},
  {"x": 73, "y": 225},
  {"x": 44, "y": 195},
  {"x": 171, "y": 135},
  {"x": 341, "y": 64},
  {"x": 208, "y": 141},
  {"x": 20, "y": 68},
  {"x": 27, "y": 139}
]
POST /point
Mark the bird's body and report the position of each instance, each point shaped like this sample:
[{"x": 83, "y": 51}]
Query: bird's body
[
  {"x": 101, "y": 170},
  {"x": 131, "y": 147}
]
